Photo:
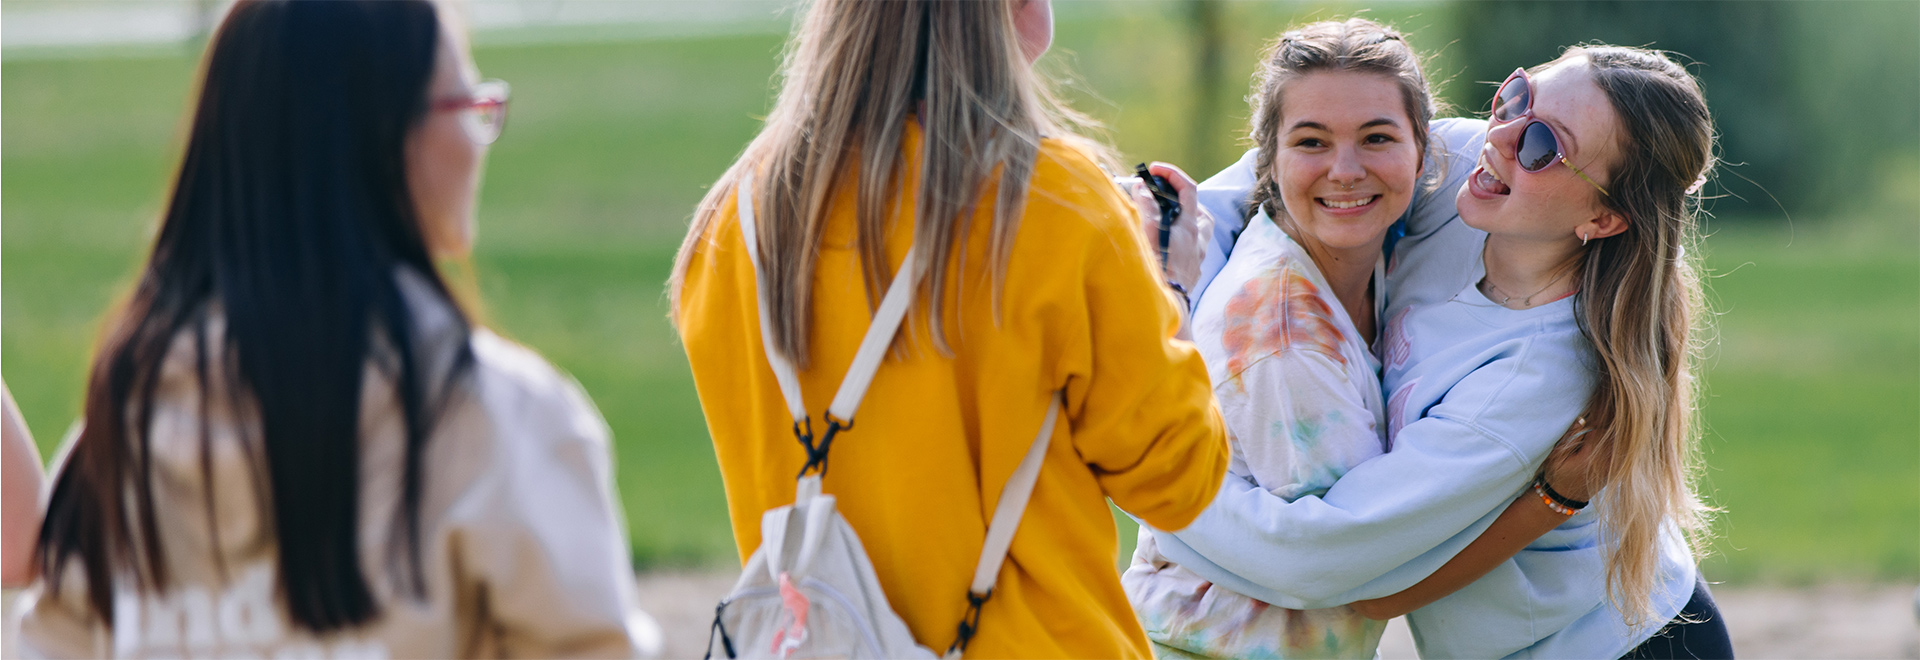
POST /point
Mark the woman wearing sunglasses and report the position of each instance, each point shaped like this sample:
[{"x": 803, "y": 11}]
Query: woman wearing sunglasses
[
  {"x": 1555, "y": 291},
  {"x": 296, "y": 443}
]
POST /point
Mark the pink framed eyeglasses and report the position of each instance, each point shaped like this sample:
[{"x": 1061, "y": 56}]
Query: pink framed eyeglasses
[
  {"x": 483, "y": 113},
  {"x": 1539, "y": 144}
]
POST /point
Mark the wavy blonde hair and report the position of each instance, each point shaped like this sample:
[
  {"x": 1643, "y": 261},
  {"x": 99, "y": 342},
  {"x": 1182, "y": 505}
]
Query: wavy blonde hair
[
  {"x": 1643, "y": 307},
  {"x": 854, "y": 72}
]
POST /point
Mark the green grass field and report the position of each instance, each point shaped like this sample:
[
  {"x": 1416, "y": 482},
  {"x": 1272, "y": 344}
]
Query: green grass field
[{"x": 1814, "y": 390}]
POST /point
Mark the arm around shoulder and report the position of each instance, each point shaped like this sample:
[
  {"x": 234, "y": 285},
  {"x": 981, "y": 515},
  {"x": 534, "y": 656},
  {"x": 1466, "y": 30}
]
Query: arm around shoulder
[{"x": 1392, "y": 520}]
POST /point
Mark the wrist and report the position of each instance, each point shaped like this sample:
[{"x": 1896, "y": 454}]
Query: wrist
[
  {"x": 1560, "y": 503},
  {"x": 1186, "y": 301}
]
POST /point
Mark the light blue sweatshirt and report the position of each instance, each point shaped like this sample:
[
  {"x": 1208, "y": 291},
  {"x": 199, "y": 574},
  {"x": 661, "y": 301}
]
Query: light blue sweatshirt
[{"x": 1489, "y": 391}]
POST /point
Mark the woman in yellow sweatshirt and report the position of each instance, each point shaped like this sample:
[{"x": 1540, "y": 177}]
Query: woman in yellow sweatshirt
[{"x": 921, "y": 123}]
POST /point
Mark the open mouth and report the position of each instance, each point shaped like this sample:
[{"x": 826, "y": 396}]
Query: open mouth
[
  {"x": 1346, "y": 205},
  {"x": 1486, "y": 181}
]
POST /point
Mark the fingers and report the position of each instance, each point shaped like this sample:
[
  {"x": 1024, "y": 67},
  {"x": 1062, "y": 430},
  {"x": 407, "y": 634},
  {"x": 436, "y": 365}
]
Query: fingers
[
  {"x": 1174, "y": 175},
  {"x": 1182, "y": 184},
  {"x": 1191, "y": 230},
  {"x": 1192, "y": 214}
]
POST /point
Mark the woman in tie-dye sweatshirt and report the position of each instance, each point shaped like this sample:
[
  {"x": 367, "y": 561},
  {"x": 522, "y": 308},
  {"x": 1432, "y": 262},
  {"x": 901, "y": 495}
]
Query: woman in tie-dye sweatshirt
[{"x": 1285, "y": 331}]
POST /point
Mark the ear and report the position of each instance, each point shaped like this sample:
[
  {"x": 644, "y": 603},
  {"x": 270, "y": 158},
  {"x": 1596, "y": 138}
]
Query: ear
[{"x": 1608, "y": 223}]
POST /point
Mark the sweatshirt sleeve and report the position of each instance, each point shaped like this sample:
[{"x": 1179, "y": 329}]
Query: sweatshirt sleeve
[
  {"x": 549, "y": 552},
  {"x": 1456, "y": 152},
  {"x": 1298, "y": 422},
  {"x": 1394, "y": 519},
  {"x": 1138, "y": 398},
  {"x": 1225, "y": 196}
]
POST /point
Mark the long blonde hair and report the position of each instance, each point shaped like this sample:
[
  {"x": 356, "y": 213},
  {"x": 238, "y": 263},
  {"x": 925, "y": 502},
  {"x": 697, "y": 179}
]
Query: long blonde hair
[
  {"x": 853, "y": 74},
  {"x": 1642, "y": 306}
]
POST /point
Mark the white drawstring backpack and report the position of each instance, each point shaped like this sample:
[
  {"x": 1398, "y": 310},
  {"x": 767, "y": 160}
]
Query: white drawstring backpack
[{"x": 809, "y": 591}]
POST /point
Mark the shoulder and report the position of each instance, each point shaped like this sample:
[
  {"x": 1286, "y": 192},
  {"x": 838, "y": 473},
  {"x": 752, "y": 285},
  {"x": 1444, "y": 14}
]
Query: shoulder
[
  {"x": 1456, "y": 149},
  {"x": 1071, "y": 160},
  {"x": 1514, "y": 383},
  {"x": 1068, "y": 183},
  {"x": 1226, "y": 193},
  {"x": 712, "y": 249},
  {"x": 1272, "y": 303},
  {"x": 528, "y": 398},
  {"x": 1458, "y": 134}
]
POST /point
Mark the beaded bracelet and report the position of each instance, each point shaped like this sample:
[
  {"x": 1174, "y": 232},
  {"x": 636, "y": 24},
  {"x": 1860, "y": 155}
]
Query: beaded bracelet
[
  {"x": 1559, "y": 503},
  {"x": 1557, "y": 507}
]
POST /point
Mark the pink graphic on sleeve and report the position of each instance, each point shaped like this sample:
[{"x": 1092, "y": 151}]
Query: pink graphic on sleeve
[
  {"x": 1397, "y": 409},
  {"x": 1399, "y": 347}
]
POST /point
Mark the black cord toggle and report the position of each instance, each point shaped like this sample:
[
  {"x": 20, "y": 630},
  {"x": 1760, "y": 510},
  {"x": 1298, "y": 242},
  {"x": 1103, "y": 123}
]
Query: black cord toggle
[
  {"x": 803, "y": 430},
  {"x": 970, "y": 622},
  {"x": 817, "y": 454}
]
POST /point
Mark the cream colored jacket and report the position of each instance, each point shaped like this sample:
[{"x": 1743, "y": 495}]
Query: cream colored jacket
[{"x": 522, "y": 540}]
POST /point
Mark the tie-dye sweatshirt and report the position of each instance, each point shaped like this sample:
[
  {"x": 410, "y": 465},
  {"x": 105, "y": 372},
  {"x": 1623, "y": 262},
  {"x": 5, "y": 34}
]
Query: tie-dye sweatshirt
[
  {"x": 1300, "y": 392},
  {"x": 1493, "y": 393}
]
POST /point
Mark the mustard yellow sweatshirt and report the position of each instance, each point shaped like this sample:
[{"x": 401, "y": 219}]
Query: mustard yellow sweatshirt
[{"x": 937, "y": 436}]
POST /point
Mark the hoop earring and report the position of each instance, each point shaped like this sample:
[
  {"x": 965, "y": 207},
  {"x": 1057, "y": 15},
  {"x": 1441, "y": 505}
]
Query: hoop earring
[{"x": 1583, "y": 240}]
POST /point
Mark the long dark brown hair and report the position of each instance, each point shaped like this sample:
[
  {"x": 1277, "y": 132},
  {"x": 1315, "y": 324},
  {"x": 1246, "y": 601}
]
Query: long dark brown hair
[{"x": 290, "y": 218}]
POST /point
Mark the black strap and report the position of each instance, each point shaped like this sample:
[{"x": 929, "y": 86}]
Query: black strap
[
  {"x": 726, "y": 643},
  {"x": 1168, "y": 200},
  {"x": 969, "y": 622},
  {"x": 1562, "y": 500}
]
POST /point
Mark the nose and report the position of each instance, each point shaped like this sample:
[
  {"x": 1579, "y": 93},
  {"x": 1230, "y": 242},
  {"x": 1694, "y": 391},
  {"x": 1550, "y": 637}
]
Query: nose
[
  {"x": 1347, "y": 169},
  {"x": 1504, "y": 139}
]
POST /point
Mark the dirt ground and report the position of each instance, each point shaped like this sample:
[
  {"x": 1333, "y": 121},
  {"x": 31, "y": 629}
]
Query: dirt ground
[{"x": 1830, "y": 621}]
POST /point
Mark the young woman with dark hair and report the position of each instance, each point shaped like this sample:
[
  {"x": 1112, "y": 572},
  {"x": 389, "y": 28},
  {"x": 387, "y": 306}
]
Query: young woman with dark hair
[{"x": 295, "y": 442}]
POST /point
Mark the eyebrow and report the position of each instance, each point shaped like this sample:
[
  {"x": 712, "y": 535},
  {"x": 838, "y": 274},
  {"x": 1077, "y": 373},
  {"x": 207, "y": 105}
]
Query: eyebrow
[{"x": 1378, "y": 121}]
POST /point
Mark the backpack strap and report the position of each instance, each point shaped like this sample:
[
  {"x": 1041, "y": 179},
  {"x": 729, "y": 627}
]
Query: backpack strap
[
  {"x": 866, "y": 360},
  {"x": 1006, "y": 520},
  {"x": 853, "y": 387}
]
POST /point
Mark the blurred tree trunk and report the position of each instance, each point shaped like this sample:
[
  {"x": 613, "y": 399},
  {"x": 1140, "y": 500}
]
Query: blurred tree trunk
[{"x": 1204, "y": 22}]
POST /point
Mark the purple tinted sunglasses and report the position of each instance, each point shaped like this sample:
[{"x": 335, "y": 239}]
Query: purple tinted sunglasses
[{"x": 1539, "y": 144}]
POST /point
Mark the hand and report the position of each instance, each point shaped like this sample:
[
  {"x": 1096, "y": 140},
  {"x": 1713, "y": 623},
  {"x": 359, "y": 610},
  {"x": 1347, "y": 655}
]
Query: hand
[
  {"x": 1187, "y": 245},
  {"x": 1580, "y": 463}
]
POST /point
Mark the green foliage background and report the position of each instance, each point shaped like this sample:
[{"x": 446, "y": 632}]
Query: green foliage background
[{"x": 1813, "y": 407}]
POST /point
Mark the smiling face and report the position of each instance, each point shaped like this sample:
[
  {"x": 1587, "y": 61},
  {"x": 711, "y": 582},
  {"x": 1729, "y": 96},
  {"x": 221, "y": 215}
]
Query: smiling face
[
  {"x": 1553, "y": 204},
  {"x": 1346, "y": 161}
]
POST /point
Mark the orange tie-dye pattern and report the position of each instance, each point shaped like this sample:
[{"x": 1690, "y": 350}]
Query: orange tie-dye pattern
[{"x": 1280, "y": 308}]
